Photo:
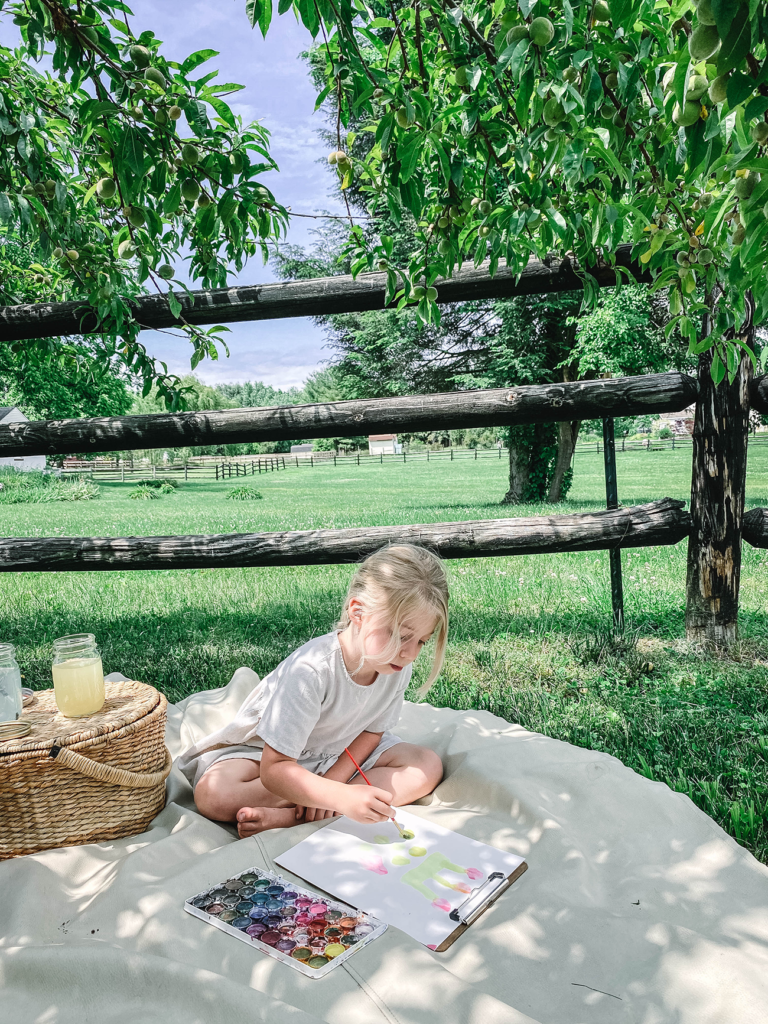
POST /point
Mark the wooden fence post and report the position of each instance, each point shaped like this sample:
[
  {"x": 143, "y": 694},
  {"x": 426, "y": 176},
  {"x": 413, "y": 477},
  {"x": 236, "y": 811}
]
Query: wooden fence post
[{"x": 720, "y": 432}]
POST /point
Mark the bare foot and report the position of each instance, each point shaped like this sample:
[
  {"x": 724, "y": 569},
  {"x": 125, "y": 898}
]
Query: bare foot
[{"x": 251, "y": 820}]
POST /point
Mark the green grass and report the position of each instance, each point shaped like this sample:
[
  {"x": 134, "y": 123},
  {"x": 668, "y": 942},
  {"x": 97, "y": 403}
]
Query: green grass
[{"x": 529, "y": 636}]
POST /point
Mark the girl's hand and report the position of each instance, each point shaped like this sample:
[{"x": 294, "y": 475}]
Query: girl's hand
[{"x": 366, "y": 804}]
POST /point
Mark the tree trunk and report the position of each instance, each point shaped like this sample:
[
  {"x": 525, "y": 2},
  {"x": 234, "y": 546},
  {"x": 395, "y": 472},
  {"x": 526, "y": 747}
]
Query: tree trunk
[
  {"x": 566, "y": 443},
  {"x": 519, "y": 471},
  {"x": 720, "y": 435}
]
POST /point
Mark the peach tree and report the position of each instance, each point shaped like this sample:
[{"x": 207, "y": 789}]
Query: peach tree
[{"x": 518, "y": 128}]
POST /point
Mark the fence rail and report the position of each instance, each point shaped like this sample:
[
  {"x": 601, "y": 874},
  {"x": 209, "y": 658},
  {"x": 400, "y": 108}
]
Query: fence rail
[
  {"x": 659, "y": 522},
  {"x": 545, "y": 403}
]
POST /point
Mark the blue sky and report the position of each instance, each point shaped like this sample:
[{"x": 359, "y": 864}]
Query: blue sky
[{"x": 278, "y": 93}]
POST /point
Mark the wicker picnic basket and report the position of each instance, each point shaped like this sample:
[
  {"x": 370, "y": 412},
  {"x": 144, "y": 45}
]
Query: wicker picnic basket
[{"x": 84, "y": 780}]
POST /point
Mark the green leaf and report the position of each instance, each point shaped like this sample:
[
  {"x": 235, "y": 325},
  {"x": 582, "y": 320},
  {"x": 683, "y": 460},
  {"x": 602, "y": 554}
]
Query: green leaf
[
  {"x": 259, "y": 12},
  {"x": 89, "y": 194},
  {"x": 718, "y": 370},
  {"x": 755, "y": 108},
  {"x": 524, "y": 93},
  {"x": 132, "y": 150},
  {"x": 196, "y": 59},
  {"x": 724, "y": 12},
  {"x": 227, "y": 206},
  {"x": 739, "y": 87},
  {"x": 6, "y": 210},
  {"x": 682, "y": 73},
  {"x": 735, "y": 45},
  {"x": 173, "y": 304},
  {"x": 172, "y": 201}
]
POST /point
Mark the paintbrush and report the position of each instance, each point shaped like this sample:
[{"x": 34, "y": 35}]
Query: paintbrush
[{"x": 354, "y": 762}]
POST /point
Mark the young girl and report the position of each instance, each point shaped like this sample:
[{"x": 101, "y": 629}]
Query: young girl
[{"x": 282, "y": 759}]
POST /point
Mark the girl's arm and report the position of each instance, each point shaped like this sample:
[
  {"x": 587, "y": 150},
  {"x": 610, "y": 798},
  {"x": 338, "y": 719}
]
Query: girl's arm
[
  {"x": 285, "y": 778},
  {"x": 361, "y": 749}
]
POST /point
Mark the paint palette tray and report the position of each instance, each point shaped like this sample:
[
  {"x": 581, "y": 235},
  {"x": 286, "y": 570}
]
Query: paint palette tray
[{"x": 307, "y": 931}]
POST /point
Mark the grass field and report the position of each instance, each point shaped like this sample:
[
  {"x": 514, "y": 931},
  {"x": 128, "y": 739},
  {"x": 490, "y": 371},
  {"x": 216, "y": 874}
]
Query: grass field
[{"x": 530, "y": 637}]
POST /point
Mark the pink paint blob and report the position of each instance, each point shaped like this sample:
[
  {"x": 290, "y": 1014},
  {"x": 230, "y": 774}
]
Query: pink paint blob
[
  {"x": 474, "y": 873},
  {"x": 430, "y": 946},
  {"x": 375, "y": 864},
  {"x": 441, "y": 904}
]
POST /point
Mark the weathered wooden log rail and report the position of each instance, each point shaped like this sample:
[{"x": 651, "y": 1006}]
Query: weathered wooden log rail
[
  {"x": 315, "y": 297},
  {"x": 590, "y": 399},
  {"x": 755, "y": 527},
  {"x": 660, "y": 522}
]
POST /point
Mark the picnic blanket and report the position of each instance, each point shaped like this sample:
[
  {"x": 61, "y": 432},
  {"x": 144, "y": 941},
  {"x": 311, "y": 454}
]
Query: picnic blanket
[{"x": 636, "y": 906}]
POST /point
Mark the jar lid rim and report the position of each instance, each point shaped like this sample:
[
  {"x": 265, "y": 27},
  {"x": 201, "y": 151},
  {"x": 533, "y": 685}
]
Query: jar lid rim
[{"x": 74, "y": 640}]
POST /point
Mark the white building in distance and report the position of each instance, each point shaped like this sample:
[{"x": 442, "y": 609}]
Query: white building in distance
[
  {"x": 384, "y": 444},
  {"x": 10, "y": 414}
]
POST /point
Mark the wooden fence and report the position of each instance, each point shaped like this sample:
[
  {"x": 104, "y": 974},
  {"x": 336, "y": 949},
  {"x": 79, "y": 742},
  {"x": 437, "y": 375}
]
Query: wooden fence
[{"x": 714, "y": 525}]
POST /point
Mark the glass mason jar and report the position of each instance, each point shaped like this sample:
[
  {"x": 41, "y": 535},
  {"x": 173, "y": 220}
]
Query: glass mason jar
[
  {"x": 10, "y": 684},
  {"x": 78, "y": 678}
]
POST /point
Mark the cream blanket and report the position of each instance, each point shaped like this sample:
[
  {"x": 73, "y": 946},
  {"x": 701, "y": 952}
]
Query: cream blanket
[{"x": 636, "y": 907}]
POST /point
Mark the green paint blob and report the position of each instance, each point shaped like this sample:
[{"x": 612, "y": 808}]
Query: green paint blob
[
  {"x": 418, "y": 851},
  {"x": 382, "y": 840},
  {"x": 399, "y": 860},
  {"x": 407, "y": 834}
]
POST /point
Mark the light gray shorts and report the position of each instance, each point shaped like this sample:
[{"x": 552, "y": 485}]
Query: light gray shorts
[{"x": 317, "y": 765}]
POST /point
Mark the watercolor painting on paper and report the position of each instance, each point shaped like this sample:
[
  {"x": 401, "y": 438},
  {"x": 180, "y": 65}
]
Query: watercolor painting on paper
[{"x": 412, "y": 882}]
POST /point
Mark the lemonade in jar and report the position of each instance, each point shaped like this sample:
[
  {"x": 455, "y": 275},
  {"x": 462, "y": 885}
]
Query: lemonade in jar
[{"x": 78, "y": 677}]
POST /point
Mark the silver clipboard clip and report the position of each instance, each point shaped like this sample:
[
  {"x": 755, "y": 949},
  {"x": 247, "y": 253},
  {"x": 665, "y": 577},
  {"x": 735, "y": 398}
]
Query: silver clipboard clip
[{"x": 480, "y": 899}]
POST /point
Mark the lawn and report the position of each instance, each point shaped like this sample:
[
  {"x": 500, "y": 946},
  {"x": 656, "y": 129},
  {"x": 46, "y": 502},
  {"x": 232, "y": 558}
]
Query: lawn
[{"x": 530, "y": 637}]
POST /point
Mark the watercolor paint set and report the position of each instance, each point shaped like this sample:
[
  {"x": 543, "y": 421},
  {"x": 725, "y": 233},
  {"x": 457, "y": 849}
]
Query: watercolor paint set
[{"x": 309, "y": 932}]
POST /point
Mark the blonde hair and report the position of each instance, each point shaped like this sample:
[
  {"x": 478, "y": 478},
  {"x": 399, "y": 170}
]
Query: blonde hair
[{"x": 397, "y": 581}]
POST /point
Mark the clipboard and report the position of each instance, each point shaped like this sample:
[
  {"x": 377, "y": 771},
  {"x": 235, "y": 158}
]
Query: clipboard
[{"x": 476, "y": 904}]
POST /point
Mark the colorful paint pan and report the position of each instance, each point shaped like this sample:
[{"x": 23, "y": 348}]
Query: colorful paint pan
[{"x": 285, "y": 921}]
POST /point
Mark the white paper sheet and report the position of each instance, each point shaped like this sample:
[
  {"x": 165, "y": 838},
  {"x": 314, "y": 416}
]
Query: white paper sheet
[{"x": 411, "y": 884}]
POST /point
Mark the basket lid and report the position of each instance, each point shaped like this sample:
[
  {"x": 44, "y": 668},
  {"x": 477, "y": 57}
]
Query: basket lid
[{"x": 126, "y": 702}]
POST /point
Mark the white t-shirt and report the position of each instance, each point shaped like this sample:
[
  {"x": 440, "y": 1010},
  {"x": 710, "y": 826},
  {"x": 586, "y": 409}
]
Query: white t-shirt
[{"x": 308, "y": 708}]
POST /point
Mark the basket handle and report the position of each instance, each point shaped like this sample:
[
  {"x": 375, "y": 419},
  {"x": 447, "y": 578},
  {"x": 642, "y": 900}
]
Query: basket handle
[{"x": 107, "y": 773}]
